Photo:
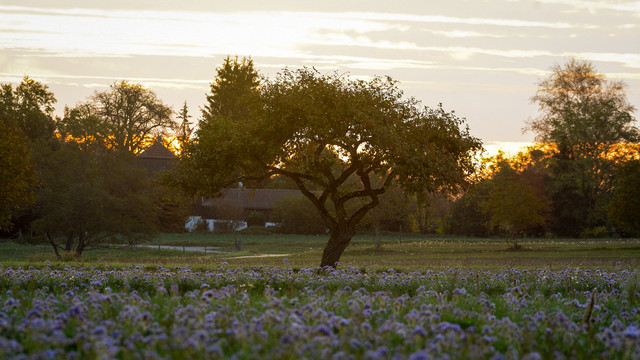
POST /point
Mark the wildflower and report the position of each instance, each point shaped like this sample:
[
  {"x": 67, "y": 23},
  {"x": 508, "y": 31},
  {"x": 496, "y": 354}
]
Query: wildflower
[
  {"x": 632, "y": 332},
  {"x": 323, "y": 330}
]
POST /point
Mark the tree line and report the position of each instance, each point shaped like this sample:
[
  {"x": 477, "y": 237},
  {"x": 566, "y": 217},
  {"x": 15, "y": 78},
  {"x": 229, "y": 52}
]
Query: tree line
[
  {"x": 73, "y": 181},
  {"x": 362, "y": 154}
]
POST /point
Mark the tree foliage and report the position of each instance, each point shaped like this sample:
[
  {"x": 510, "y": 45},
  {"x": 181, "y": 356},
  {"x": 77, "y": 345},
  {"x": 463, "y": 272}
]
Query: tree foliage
[
  {"x": 321, "y": 130},
  {"x": 230, "y": 92},
  {"x": 625, "y": 206},
  {"x": 30, "y": 107},
  {"x": 586, "y": 117},
  {"x": 297, "y": 215},
  {"x": 467, "y": 217},
  {"x": 92, "y": 197},
  {"x": 126, "y": 117},
  {"x": 579, "y": 108},
  {"x": 18, "y": 179},
  {"x": 393, "y": 213},
  {"x": 26, "y": 119},
  {"x": 185, "y": 128},
  {"x": 514, "y": 202}
]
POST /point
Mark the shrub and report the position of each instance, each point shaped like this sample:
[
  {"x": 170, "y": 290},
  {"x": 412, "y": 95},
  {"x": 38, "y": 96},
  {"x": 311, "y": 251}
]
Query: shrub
[
  {"x": 595, "y": 232},
  {"x": 297, "y": 215},
  {"x": 256, "y": 218}
]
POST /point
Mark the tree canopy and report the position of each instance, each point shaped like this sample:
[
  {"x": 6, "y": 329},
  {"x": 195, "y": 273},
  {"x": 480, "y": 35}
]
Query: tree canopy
[
  {"x": 125, "y": 117},
  {"x": 322, "y": 130},
  {"x": 18, "y": 178},
  {"x": 64, "y": 180},
  {"x": 30, "y": 107},
  {"x": 91, "y": 197},
  {"x": 587, "y": 118},
  {"x": 513, "y": 201},
  {"x": 230, "y": 92},
  {"x": 26, "y": 119},
  {"x": 580, "y": 108}
]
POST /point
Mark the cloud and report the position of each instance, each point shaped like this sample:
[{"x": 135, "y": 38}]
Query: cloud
[
  {"x": 632, "y": 7},
  {"x": 283, "y": 34},
  {"x": 438, "y": 19},
  {"x": 92, "y": 81}
]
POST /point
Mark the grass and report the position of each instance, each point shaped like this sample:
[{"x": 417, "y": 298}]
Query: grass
[{"x": 406, "y": 251}]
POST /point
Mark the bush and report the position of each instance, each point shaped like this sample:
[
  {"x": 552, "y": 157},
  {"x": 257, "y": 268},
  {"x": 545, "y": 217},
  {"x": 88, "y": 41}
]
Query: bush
[
  {"x": 256, "y": 218},
  {"x": 297, "y": 215},
  {"x": 596, "y": 232},
  {"x": 201, "y": 226}
]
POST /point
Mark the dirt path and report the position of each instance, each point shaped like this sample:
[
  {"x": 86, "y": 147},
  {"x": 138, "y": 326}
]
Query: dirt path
[
  {"x": 202, "y": 249},
  {"x": 258, "y": 256}
]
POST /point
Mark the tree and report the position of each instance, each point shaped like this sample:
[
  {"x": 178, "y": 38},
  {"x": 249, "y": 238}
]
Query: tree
[
  {"x": 393, "y": 213},
  {"x": 125, "y": 117},
  {"x": 27, "y": 125},
  {"x": 92, "y": 197},
  {"x": 18, "y": 179},
  {"x": 297, "y": 215},
  {"x": 184, "y": 133},
  {"x": 624, "y": 208},
  {"x": 586, "y": 117},
  {"x": 173, "y": 209},
  {"x": 320, "y": 130},
  {"x": 30, "y": 107},
  {"x": 433, "y": 212},
  {"x": 467, "y": 217},
  {"x": 230, "y": 96},
  {"x": 513, "y": 202}
]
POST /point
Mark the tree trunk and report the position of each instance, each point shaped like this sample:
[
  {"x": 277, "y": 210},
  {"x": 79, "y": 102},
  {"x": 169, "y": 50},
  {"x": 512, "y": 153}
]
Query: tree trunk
[
  {"x": 338, "y": 241},
  {"x": 53, "y": 243},
  {"x": 82, "y": 244}
]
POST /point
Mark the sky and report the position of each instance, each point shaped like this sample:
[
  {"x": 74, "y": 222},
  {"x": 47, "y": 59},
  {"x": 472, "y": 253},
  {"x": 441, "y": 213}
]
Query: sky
[{"x": 482, "y": 59}]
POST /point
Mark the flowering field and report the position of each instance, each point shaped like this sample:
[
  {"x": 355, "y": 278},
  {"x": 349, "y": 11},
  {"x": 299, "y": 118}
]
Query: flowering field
[{"x": 65, "y": 311}]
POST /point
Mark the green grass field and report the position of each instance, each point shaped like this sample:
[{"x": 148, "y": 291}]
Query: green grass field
[
  {"x": 414, "y": 298},
  {"x": 406, "y": 251}
]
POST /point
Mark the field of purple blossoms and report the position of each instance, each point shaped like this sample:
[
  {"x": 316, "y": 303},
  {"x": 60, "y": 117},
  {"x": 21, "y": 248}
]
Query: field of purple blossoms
[{"x": 57, "y": 311}]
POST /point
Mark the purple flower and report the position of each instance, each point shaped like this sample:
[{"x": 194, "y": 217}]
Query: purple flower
[
  {"x": 632, "y": 332},
  {"x": 323, "y": 330}
]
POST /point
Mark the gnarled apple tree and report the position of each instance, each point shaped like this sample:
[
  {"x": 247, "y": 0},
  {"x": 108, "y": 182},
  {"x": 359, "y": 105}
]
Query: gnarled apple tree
[{"x": 342, "y": 141}]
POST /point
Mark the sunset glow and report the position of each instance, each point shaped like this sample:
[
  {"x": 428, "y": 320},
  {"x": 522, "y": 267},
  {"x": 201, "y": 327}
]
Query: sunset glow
[{"x": 482, "y": 60}]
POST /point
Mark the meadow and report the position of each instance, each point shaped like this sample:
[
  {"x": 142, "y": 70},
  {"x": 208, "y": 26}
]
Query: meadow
[
  {"x": 397, "y": 250},
  {"x": 414, "y": 298}
]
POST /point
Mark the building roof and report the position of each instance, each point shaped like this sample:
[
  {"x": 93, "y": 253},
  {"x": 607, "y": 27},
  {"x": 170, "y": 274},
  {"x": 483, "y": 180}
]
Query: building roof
[
  {"x": 156, "y": 158},
  {"x": 255, "y": 199},
  {"x": 157, "y": 150}
]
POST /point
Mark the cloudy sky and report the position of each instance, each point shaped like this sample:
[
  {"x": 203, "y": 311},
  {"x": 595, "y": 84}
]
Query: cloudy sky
[{"x": 482, "y": 59}]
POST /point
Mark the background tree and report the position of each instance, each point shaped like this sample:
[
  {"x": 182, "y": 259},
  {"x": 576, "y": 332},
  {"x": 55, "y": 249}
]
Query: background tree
[
  {"x": 30, "y": 107},
  {"x": 229, "y": 97},
  {"x": 297, "y": 215},
  {"x": 392, "y": 214},
  {"x": 586, "y": 117},
  {"x": 26, "y": 116},
  {"x": 513, "y": 202},
  {"x": 173, "y": 209},
  {"x": 185, "y": 130},
  {"x": 125, "y": 117},
  {"x": 624, "y": 209},
  {"x": 18, "y": 179},
  {"x": 89, "y": 198},
  {"x": 433, "y": 212},
  {"x": 467, "y": 216},
  {"x": 319, "y": 130}
]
